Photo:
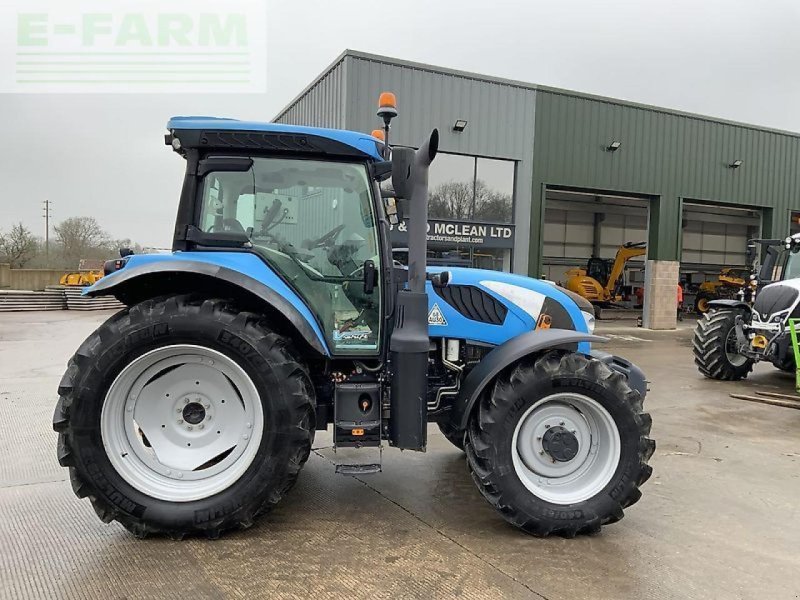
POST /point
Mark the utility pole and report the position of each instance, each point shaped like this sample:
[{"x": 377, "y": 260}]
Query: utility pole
[{"x": 47, "y": 206}]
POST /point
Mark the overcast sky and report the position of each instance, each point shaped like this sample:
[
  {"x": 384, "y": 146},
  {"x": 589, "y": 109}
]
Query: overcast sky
[{"x": 103, "y": 155}]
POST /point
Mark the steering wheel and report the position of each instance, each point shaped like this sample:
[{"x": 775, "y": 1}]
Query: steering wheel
[
  {"x": 228, "y": 226},
  {"x": 324, "y": 241}
]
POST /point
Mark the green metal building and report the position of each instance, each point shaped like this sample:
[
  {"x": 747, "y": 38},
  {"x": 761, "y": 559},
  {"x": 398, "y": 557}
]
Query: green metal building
[{"x": 536, "y": 180}]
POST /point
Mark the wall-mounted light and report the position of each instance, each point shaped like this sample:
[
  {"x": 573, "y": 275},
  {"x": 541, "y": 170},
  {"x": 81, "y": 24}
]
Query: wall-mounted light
[
  {"x": 736, "y": 164},
  {"x": 460, "y": 125},
  {"x": 613, "y": 146}
]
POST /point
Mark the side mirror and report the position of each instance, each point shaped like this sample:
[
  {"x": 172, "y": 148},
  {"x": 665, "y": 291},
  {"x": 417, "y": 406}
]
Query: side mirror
[
  {"x": 123, "y": 252},
  {"x": 402, "y": 171}
]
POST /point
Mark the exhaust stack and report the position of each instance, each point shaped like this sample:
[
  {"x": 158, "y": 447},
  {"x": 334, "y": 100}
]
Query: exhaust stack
[{"x": 409, "y": 343}]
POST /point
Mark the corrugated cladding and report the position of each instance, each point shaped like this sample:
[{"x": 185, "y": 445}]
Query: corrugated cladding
[
  {"x": 559, "y": 138},
  {"x": 320, "y": 104},
  {"x": 670, "y": 156},
  {"x": 500, "y": 117}
]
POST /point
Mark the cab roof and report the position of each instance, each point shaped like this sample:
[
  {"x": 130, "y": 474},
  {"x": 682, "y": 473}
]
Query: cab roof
[{"x": 224, "y": 133}]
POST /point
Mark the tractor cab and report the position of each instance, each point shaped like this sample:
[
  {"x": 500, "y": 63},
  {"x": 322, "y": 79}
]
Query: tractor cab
[
  {"x": 314, "y": 223},
  {"x": 599, "y": 269}
]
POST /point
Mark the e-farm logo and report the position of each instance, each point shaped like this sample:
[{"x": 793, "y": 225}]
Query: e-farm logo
[{"x": 172, "y": 46}]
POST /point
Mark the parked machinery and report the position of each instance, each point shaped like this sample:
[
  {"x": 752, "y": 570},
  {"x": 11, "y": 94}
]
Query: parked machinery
[
  {"x": 602, "y": 279},
  {"x": 735, "y": 334},
  {"x": 729, "y": 284}
]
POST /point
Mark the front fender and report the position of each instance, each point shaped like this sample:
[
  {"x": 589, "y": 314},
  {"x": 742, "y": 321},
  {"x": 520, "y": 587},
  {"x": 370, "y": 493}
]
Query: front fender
[
  {"x": 726, "y": 303},
  {"x": 505, "y": 354},
  {"x": 155, "y": 274}
]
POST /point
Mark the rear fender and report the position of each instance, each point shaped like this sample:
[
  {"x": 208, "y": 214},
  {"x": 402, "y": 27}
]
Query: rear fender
[
  {"x": 527, "y": 344},
  {"x": 136, "y": 283}
]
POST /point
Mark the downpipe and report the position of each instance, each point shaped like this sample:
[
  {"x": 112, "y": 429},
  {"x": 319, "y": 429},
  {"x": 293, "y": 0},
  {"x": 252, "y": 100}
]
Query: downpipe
[{"x": 409, "y": 344}]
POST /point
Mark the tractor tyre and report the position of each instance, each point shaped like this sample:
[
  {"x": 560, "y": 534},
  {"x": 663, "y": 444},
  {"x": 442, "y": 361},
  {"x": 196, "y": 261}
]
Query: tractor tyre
[
  {"x": 787, "y": 365},
  {"x": 454, "y": 435},
  {"x": 714, "y": 343},
  {"x": 560, "y": 445},
  {"x": 184, "y": 415},
  {"x": 701, "y": 301}
]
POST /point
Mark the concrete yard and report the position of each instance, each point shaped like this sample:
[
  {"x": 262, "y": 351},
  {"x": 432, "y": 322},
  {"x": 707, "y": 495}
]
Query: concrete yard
[{"x": 718, "y": 519}]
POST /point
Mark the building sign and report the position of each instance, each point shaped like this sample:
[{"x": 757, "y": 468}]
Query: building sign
[{"x": 459, "y": 233}]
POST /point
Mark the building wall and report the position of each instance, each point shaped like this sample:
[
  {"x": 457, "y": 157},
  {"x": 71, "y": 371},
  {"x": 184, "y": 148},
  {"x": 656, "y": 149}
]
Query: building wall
[
  {"x": 559, "y": 138},
  {"x": 320, "y": 104},
  {"x": 668, "y": 156},
  {"x": 500, "y": 116}
]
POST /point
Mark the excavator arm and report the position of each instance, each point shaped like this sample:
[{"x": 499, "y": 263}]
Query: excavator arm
[{"x": 626, "y": 252}]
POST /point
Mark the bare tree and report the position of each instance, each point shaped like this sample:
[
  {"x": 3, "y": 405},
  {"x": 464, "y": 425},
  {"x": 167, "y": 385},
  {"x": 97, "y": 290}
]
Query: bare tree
[
  {"x": 18, "y": 246},
  {"x": 81, "y": 237},
  {"x": 461, "y": 200}
]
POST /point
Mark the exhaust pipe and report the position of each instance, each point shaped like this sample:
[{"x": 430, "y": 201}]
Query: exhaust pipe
[{"x": 409, "y": 343}]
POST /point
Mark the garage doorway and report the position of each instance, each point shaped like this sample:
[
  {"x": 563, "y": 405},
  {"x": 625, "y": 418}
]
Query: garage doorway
[
  {"x": 714, "y": 250},
  {"x": 580, "y": 225}
]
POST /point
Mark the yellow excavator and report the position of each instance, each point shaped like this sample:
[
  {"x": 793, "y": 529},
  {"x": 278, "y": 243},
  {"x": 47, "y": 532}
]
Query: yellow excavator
[{"x": 601, "y": 280}]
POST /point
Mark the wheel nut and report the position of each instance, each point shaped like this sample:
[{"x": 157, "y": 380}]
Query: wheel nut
[
  {"x": 561, "y": 423},
  {"x": 180, "y": 421},
  {"x": 189, "y": 427},
  {"x": 547, "y": 426},
  {"x": 186, "y": 401},
  {"x": 200, "y": 426},
  {"x": 247, "y": 437}
]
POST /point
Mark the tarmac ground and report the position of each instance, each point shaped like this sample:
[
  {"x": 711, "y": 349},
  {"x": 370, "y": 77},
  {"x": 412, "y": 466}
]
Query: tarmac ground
[{"x": 718, "y": 519}]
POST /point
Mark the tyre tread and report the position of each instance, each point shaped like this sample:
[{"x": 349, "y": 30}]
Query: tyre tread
[{"x": 295, "y": 377}]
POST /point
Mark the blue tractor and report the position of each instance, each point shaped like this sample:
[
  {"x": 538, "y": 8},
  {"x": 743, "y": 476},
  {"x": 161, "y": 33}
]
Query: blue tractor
[{"x": 281, "y": 312}]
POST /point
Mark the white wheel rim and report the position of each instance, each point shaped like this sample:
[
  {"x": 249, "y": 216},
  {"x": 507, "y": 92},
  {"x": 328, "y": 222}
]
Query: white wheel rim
[
  {"x": 182, "y": 423},
  {"x": 731, "y": 349},
  {"x": 593, "y": 465}
]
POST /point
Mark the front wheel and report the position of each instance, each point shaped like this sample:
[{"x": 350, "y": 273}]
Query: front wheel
[
  {"x": 560, "y": 446},
  {"x": 184, "y": 415},
  {"x": 716, "y": 347}
]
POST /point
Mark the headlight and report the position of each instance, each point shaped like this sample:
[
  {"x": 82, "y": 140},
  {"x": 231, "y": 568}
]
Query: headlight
[{"x": 589, "y": 318}]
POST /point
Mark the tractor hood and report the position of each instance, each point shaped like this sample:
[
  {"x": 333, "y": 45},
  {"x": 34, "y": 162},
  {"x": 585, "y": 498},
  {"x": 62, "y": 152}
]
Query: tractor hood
[
  {"x": 777, "y": 302},
  {"x": 492, "y": 307}
]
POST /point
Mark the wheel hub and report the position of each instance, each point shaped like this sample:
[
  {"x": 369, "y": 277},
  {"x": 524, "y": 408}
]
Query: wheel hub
[
  {"x": 565, "y": 448},
  {"x": 182, "y": 422},
  {"x": 194, "y": 413},
  {"x": 560, "y": 443}
]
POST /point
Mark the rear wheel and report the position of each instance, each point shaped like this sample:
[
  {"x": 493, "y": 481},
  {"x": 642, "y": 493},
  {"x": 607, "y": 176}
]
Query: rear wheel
[
  {"x": 184, "y": 415},
  {"x": 701, "y": 301},
  {"x": 715, "y": 343},
  {"x": 560, "y": 445},
  {"x": 454, "y": 435}
]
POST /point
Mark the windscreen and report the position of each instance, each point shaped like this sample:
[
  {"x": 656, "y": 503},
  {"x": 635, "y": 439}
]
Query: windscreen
[{"x": 314, "y": 223}]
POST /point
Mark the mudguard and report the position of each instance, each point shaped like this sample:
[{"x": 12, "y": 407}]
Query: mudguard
[
  {"x": 727, "y": 303},
  {"x": 505, "y": 354},
  {"x": 229, "y": 267}
]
